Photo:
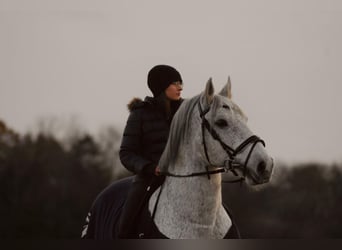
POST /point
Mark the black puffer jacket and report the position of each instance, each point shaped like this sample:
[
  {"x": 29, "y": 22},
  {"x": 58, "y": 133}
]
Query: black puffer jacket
[{"x": 145, "y": 135}]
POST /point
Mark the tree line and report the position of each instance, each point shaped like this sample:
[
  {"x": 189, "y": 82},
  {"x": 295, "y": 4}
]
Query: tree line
[
  {"x": 47, "y": 186},
  {"x": 302, "y": 201}
]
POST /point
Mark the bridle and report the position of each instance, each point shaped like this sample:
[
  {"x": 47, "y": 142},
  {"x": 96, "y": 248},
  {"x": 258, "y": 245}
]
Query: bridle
[{"x": 230, "y": 164}]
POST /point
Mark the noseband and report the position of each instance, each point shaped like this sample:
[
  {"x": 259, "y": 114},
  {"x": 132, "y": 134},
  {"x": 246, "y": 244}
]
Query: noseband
[{"x": 230, "y": 164}]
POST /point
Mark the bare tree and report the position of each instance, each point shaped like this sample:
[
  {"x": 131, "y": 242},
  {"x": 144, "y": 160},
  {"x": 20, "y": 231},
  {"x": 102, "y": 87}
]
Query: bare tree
[{"x": 109, "y": 140}]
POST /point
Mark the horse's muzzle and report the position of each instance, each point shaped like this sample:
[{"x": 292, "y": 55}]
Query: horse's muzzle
[{"x": 264, "y": 172}]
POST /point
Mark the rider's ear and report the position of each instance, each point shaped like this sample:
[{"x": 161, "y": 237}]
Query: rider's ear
[
  {"x": 227, "y": 89},
  {"x": 208, "y": 92}
]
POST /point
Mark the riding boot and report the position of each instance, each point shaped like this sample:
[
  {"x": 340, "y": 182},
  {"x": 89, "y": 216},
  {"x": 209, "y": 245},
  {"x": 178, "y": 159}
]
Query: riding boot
[
  {"x": 142, "y": 188},
  {"x": 133, "y": 205}
]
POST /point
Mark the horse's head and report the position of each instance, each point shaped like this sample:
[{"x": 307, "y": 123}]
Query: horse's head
[
  {"x": 227, "y": 140},
  {"x": 211, "y": 130}
]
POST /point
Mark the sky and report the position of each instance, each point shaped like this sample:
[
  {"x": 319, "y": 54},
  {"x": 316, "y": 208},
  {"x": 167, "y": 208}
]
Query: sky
[{"x": 88, "y": 59}]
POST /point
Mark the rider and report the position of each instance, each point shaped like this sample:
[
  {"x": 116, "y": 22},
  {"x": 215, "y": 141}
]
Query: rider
[{"x": 145, "y": 137}]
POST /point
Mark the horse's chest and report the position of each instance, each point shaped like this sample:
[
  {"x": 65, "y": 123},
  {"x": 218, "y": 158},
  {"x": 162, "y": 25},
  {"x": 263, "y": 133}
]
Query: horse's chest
[{"x": 149, "y": 230}]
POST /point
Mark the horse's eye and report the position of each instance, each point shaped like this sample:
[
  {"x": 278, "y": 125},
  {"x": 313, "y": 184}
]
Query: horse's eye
[{"x": 221, "y": 123}]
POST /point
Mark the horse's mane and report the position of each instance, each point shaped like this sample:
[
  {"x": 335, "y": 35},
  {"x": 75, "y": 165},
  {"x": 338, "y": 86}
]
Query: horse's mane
[{"x": 178, "y": 132}]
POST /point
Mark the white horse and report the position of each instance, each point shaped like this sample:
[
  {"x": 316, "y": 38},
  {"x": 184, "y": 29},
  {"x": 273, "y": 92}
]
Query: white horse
[
  {"x": 208, "y": 136},
  {"x": 208, "y": 133}
]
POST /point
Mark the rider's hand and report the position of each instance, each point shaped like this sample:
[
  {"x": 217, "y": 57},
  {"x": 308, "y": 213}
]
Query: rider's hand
[{"x": 157, "y": 171}]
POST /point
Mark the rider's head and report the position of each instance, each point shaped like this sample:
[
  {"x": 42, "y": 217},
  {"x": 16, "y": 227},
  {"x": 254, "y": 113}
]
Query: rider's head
[{"x": 160, "y": 77}]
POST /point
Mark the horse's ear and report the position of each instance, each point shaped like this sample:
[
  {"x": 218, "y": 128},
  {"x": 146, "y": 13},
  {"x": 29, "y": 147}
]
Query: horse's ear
[
  {"x": 227, "y": 89},
  {"x": 209, "y": 92}
]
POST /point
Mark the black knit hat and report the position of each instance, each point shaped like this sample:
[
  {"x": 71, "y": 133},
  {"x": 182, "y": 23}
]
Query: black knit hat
[{"x": 160, "y": 77}]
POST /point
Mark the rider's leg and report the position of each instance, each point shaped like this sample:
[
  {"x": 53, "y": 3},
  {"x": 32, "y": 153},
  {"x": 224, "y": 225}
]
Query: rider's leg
[{"x": 132, "y": 207}]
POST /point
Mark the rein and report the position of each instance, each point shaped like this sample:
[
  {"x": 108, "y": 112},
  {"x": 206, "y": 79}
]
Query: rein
[{"x": 229, "y": 165}]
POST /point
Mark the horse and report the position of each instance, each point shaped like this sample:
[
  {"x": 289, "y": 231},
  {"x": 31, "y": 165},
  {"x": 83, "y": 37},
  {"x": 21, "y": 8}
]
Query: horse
[{"x": 208, "y": 137}]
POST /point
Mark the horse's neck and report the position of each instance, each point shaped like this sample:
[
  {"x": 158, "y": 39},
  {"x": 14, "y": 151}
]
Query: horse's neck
[{"x": 191, "y": 208}]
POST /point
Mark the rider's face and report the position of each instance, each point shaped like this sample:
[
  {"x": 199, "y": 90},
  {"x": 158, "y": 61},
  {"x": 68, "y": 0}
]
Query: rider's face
[{"x": 173, "y": 92}]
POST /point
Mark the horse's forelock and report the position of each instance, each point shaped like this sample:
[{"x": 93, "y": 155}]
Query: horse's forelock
[{"x": 219, "y": 101}]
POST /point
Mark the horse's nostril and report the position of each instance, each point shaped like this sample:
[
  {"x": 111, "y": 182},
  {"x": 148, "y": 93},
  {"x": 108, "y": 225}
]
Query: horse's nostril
[{"x": 261, "y": 167}]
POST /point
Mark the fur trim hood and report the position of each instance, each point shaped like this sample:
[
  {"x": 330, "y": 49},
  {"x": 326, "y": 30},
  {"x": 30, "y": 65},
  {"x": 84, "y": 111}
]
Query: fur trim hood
[{"x": 136, "y": 103}]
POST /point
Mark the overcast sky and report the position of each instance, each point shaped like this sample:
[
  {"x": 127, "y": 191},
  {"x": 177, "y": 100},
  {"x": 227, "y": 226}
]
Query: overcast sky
[{"x": 89, "y": 58}]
